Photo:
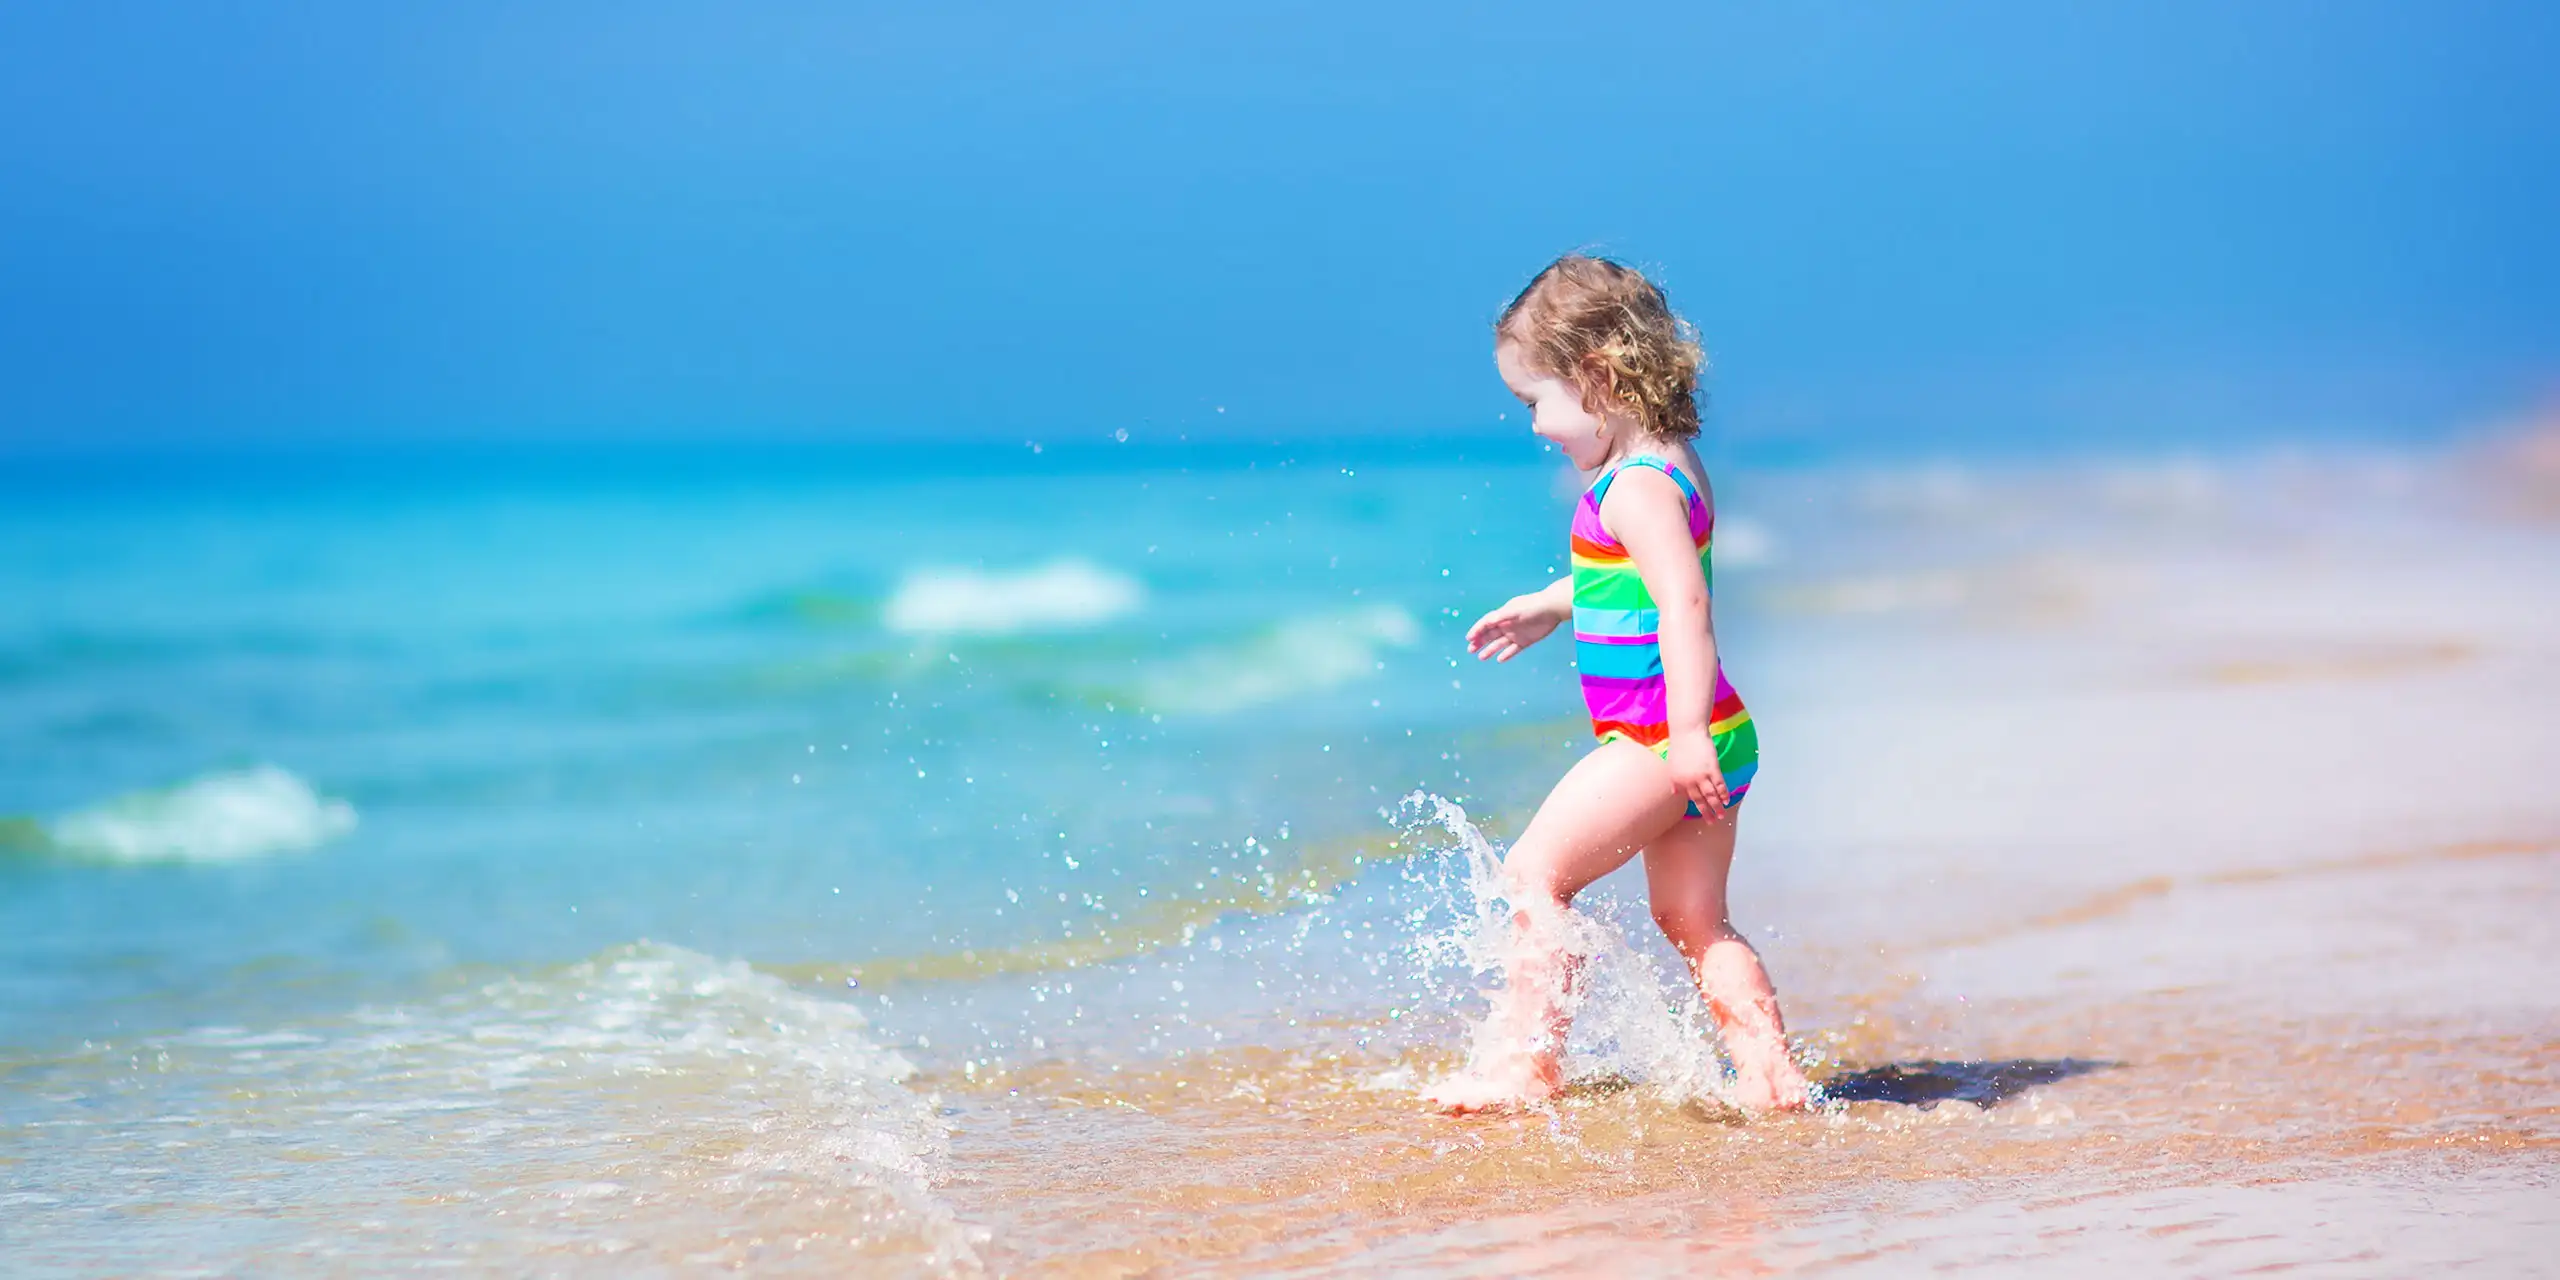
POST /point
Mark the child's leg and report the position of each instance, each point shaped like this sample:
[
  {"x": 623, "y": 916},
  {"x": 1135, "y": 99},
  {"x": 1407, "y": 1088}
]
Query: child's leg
[
  {"x": 1609, "y": 806},
  {"x": 1684, "y": 875}
]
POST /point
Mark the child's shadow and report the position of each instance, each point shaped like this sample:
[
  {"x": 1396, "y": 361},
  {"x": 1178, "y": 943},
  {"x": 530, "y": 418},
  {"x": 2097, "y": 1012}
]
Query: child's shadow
[{"x": 1927, "y": 1083}]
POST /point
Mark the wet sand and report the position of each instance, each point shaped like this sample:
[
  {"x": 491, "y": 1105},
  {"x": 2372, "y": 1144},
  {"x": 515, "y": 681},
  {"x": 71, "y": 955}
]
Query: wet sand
[{"x": 2183, "y": 1111}]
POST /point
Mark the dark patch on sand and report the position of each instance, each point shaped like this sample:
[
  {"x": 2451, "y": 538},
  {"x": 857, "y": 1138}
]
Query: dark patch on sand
[{"x": 1927, "y": 1083}]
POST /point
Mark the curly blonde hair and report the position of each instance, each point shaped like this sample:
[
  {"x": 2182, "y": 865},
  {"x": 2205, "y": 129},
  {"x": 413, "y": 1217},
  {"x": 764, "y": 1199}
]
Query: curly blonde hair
[{"x": 1613, "y": 333}]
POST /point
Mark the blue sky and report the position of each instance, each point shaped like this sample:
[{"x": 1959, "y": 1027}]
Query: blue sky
[{"x": 1896, "y": 224}]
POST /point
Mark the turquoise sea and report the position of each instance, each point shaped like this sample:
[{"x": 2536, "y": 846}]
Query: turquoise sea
[{"x": 288, "y": 738}]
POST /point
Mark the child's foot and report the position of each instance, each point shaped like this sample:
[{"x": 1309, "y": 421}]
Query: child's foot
[
  {"x": 1520, "y": 1084},
  {"x": 1765, "y": 1077}
]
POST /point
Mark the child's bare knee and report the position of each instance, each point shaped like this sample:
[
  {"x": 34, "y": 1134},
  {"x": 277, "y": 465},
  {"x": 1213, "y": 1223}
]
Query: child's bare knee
[{"x": 1532, "y": 890}]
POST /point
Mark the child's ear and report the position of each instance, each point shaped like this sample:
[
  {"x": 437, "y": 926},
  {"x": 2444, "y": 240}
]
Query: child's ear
[{"x": 1598, "y": 383}]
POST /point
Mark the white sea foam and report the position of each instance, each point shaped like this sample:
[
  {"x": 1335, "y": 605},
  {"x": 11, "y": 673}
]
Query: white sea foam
[
  {"x": 657, "y": 1011},
  {"x": 650, "y": 1099},
  {"x": 1634, "y": 1017},
  {"x": 219, "y": 817},
  {"x": 1306, "y": 655},
  {"x": 1061, "y": 595}
]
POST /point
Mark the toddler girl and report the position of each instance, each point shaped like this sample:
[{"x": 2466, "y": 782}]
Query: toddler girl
[{"x": 1610, "y": 376}]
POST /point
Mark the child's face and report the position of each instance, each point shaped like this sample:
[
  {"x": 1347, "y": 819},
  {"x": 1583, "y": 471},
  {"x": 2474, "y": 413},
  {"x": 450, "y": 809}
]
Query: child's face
[{"x": 1555, "y": 407}]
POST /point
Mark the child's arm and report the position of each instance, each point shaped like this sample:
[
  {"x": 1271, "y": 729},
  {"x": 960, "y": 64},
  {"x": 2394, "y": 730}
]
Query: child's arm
[
  {"x": 1648, "y": 514},
  {"x": 1521, "y": 621}
]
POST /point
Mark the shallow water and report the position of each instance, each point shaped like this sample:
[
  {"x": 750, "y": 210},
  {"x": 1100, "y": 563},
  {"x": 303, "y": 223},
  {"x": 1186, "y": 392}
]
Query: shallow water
[{"x": 1015, "y": 871}]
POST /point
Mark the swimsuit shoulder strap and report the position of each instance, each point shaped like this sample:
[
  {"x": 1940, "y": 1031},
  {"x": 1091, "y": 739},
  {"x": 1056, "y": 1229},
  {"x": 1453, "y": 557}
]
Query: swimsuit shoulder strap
[{"x": 1600, "y": 487}]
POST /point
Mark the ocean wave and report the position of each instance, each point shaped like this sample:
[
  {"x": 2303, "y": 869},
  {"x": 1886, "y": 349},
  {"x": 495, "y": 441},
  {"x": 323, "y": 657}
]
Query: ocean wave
[
  {"x": 650, "y": 1098},
  {"x": 1062, "y": 595},
  {"x": 648, "y": 1010},
  {"x": 1306, "y": 655},
  {"x": 219, "y": 817}
]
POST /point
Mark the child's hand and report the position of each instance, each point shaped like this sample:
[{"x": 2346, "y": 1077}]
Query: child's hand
[
  {"x": 1520, "y": 622},
  {"x": 1695, "y": 773}
]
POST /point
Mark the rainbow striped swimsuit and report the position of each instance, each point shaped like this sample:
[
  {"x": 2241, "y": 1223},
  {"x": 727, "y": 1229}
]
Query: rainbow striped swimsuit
[{"x": 1617, "y": 640}]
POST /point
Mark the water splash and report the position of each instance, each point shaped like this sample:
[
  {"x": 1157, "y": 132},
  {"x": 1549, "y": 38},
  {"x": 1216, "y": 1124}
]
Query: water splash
[{"x": 1636, "y": 1016}]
